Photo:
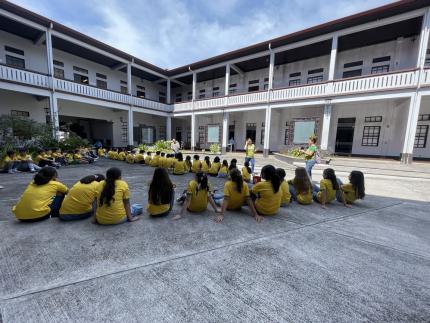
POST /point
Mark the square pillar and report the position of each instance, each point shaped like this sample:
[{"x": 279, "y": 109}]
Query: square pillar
[
  {"x": 53, "y": 105},
  {"x": 49, "y": 54},
  {"x": 333, "y": 54},
  {"x": 227, "y": 79},
  {"x": 224, "y": 132},
  {"x": 411, "y": 128},
  {"x": 194, "y": 86},
  {"x": 169, "y": 128},
  {"x": 268, "y": 118},
  {"x": 424, "y": 39},
  {"x": 193, "y": 132},
  {"x": 326, "y": 126},
  {"x": 168, "y": 92},
  {"x": 129, "y": 91},
  {"x": 130, "y": 127},
  {"x": 271, "y": 70}
]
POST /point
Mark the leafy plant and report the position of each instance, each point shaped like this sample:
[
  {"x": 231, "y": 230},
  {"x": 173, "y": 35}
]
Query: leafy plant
[
  {"x": 142, "y": 147},
  {"x": 296, "y": 152},
  {"x": 214, "y": 148},
  {"x": 73, "y": 142},
  {"x": 161, "y": 145}
]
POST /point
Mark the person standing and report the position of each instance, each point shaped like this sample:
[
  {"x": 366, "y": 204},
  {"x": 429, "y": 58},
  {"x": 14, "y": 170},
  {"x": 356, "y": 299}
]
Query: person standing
[
  {"x": 175, "y": 146},
  {"x": 249, "y": 153},
  {"x": 231, "y": 144},
  {"x": 310, "y": 154}
]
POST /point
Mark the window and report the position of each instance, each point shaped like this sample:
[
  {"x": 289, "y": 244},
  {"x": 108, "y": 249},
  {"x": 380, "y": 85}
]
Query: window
[
  {"x": 232, "y": 88},
  {"x": 316, "y": 71},
  {"x": 427, "y": 62},
  {"x": 215, "y": 91},
  {"x": 213, "y": 133},
  {"x": 162, "y": 97},
  {"x": 315, "y": 79},
  {"x": 266, "y": 83},
  {"x": 352, "y": 73},
  {"x": 101, "y": 76},
  {"x": 123, "y": 87},
  {"x": 162, "y": 133},
  {"x": 16, "y": 113},
  {"x": 424, "y": 117},
  {"x": 201, "y": 134},
  {"x": 353, "y": 64},
  {"x": 287, "y": 134},
  {"x": 202, "y": 93},
  {"x": 381, "y": 59},
  {"x": 178, "y": 97},
  {"x": 294, "y": 82},
  {"x": 303, "y": 129},
  {"x": 380, "y": 69},
  {"x": 101, "y": 84},
  {"x": 148, "y": 135},
  {"x": 371, "y": 136},
  {"x": 140, "y": 93},
  {"x": 14, "y": 50},
  {"x": 58, "y": 63},
  {"x": 421, "y": 136},
  {"x": 58, "y": 73},
  {"x": 262, "y": 137},
  {"x": 15, "y": 61},
  {"x": 80, "y": 70},
  {"x": 373, "y": 119},
  {"x": 80, "y": 78},
  {"x": 253, "y": 85},
  {"x": 189, "y": 95},
  {"x": 295, "y": 74}
]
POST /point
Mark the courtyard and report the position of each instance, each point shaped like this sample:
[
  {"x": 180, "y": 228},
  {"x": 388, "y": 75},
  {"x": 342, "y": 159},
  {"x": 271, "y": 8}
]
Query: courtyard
[{"x": 367, "y": 263}]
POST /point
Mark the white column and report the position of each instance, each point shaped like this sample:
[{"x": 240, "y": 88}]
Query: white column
[
  {"x": 227, "y": 79},
  {"x": 326, "y": 126},
  {"x": 194, "y": 85},
  {"x": 130, "y": 127},
  {"x": 168, "y": 92},
  {"x": 411, "y": 129},
  {"x": 53, "y": 105},
  {"x": 333, "y": 55},
  {"x": 49, "y": 55},
  {"x": 193, "y": 131},
  {"x": 266, "y": 149},
  {"x": 129, "y": 88},
  {"x": 424, "y": 39},
  {"x": 271, "y": 70},
  {"x": 168, "y": 128},
  {"x": 224, "y": 132}
]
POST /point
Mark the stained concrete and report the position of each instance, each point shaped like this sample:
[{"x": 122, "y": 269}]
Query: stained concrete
[{"x": 367, "y": 263}]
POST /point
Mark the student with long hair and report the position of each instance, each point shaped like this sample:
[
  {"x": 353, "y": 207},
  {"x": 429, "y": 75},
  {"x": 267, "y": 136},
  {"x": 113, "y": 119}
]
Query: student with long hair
[
  {"x": 122, "y": 155},
  {"x": 42, "y": 198},
  {"x": 206, "y": 164},
  {"x": 9, "y": 163},
  {"x": 197, "y": 165},
  {"x": 286, "y": 196},
  {"x": 139, "y": 157},
  {"x": 215, "y": 166},
  {"x": 26, "y": 162},
  {"x": 162, "y": 160},
  {"x": 300, "y": 187},
  {"x": 352, "y": 191},
  {"x": 246, "y": 172},
  {"x": 326, "y": 192},
  {"x": 161, "y": 194},
  {"x": 223, "y": 171},
  {"x": 188, "y": 163},
  {"x": 113, "y": 199},
  {"x": 179, "y": 166},
  {"x": 79, "y": 202},
  {"x": 198, "y": 195},
  {"x": 155, "y": 159},
  {"x": 233, "y": 164},
  {"x": 236, "y": 194},
  {"x": 148, "y": 158},
  {"x": 267, "y": 193}
]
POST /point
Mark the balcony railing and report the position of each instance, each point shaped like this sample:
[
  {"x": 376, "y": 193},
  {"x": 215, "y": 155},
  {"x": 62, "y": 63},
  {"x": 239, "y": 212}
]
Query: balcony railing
[{"x": 24, "y": 76}]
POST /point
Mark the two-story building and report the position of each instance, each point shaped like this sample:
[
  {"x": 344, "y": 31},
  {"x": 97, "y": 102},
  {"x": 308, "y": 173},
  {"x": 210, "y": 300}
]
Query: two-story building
[{"x": 361, "y": 83}]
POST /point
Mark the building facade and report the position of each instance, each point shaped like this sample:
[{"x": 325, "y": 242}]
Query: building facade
[{"x": 360, "y": 83}]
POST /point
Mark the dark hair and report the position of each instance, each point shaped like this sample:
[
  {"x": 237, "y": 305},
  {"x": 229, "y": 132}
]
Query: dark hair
[
  {"x": 141, "y": 151},
  {"x": 233, "y": 163},
  {"x": 328, "y": 173},
  {"x": 162, "y": 154},
  {"x": 208, "y": 161},
  {"x": 281, "y": 173},
  {"x": 301, "y": 181},
  {"x": 10, "y": 153},
  {"x": 313, "y": 139},
  {"x": 202, "y": 181},
  {"x": 236, "y": 177},
  {"x": 216, "y": 159},
  {"x": 246, "y": 164},
  {"x": 225, "y": 163},
  {"x": 45, "y": 175},
  {"x": 188, "y": 157},
  {"x": 108, "y": 191},
  {"x": 161, "y": 188},
  {"x": 157, "y": 152},
  {"x": 148, "y": 153},
  {"x": 22, "y": 150},
  {"x": 357, "y": 181},
  {"x": 179, "y": 157},
  {"x": 268, "y": 173},
  {"x": 91, "y": 178},
  {"x": 196, "y": 157}
]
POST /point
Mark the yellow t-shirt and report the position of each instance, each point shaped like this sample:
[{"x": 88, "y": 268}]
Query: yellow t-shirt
[
  {"x": 250, "y": 150},
  {"x": 154, "y": 161},
  {"x": 349, "y": 192},
  {"x": 223, "y": 170},
  {"x": 38, "y": 158},
  {"x": 114, "y": 213},
  {"x": 286, "y": 196},
  {"x": 115, "y": 155},
  {"x": 101, "y": 152},
  {"x": 77, "y": 156},
  {"x": 196, "y": 166},
  {"x": 199, "y": 199},
  {"x": 138, "y": 158},
  {"x": 121, "y": 156},
  {"x": 245, "y": 174},
  {"x": 214, "y": 168},
  {"x": 110, "y": 154},
  {"x": 205, "y": 167},
  {"x": 179, "y": 168},
  {"x": 326, "y": 185},
  {"x": 268, "y": 202},
  {"x": 148, "y": 160},
  {"x": 162, "y": 162},
  {"x": 236, "y": 198},
  {"x": 188, "y": 166},
  {"x": 23, "y": 158},
  {"x": 36, "y": 200},
  {"x": 80, "y": 198},
  {"x": 130, "y": 158}
]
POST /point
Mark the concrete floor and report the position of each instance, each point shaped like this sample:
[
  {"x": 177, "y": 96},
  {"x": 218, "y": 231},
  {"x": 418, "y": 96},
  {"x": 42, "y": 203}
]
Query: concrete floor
[{"x": 367, "y": 263}]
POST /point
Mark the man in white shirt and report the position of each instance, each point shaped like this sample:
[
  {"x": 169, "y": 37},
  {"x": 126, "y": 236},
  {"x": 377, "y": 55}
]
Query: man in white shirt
[{"x": 175, "y": 146}]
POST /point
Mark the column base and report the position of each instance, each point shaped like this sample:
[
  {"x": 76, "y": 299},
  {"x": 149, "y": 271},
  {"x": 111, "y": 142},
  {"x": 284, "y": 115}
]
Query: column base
[
  {"x": 266, "y": 152},
  {"x": 193, "y": 148},
  {"x": 406, "y": 158},
  {"x": 223, "y": 150}
]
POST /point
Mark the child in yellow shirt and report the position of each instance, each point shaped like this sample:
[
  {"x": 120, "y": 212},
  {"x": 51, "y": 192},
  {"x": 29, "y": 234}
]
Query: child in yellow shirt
[
  {"x": 121, "y": 155},
  {"x": 286, "y": 196},
  {"x": 352, "y": 191},
  {"x": 197, "y": 165},
  {"x": 223, "y": 171},
  {"x": 139, "y": 157},
  {"x": 148, "y": 158},
  {"x": 300, "y": 187},
  {"x": 155, "y": 159},
  {"x": 326, "y": 192},
  {"x": 246, "y": 172},
  {"x": 130, "y": 158},
  {"x": 206, "y": 165},
  {"x": 188, "y": 163},
  {"x": 161, "y": 194},
  {"x": 215, "y": 166},
  {"x": 268, "y": 193}
]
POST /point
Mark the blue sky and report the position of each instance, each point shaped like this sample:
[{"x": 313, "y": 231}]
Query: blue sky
[{"x": 171, "y": 33}]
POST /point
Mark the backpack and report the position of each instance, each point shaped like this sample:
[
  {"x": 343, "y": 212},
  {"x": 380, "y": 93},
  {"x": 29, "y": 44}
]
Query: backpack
[{"x": 318, "y": 156}]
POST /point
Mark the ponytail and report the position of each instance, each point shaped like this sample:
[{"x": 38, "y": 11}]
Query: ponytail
[
  {"x": 268, "y": 173},
  {"x": 91, "y": 178},
  {"x": 236, "y": 177},
  {"x": 108, "y": 191},
  {"x": 45, "y": 175},
  {"x": 202, "y": 181},
  {"x": 329, "y": 174}
]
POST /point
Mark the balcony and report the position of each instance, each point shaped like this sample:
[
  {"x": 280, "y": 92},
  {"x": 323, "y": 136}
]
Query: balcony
[{"x": 23, "y": 76}]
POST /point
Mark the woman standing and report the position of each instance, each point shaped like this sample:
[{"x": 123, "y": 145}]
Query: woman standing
[
  {"x": 310, "y": 154},
  {"x": 249, "y": 153}
]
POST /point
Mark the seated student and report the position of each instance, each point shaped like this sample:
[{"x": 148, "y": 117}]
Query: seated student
[
  {"x": 300, "y": 187},
  {"x": 139, "y": 157},
  {"x": 114, "y": 154},
  {"x": 233, "y": 164},
  {"x": 326, "y": 192},
  {"x": 352, "y": 191},
  {"x": 42, "y": 159},
  {"x": 236, "y": 193},
  {"x": 130, "y": 158},
  {"x": 188, "y": 163},
  {"x": 25, "y": 162},
  {"x": 78, "y": 159},
  {"x": 246, "y": 172},
  {"x": 42, "y": 198},
  {"x": 113, "y": 199},
  {"x": 286, "y": 196},
  {"x": 59, "y": 157},
  {"x": 162, "y": 160},
  {"x": 79, "y": 202},
  {"x": 198, "y": 194},
  {"x": 101, "y": 152},
  {"x": 267, "y": 193},
  {"x": 206, "y": 165},
  {"x": 148, "y": 158},
  {"x": 215, "y": 166},
  {"x": 223, "y": 171},
  {"x": 197, "y": 165},
  {"x": 161, "y": 194},
  {"x": 9, "y": 163},
  {"x": 172, "y": 161},
  {"x": 155, "y": 159},
  {"x": 121, "y": 155},
  {"x": 179, "y": 168}
]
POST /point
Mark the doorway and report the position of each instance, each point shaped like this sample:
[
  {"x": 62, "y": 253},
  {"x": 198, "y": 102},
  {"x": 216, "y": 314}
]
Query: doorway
[
  {"x": 178, "y": 136},
  {"x": 251, "y": 131},
  {"x": 344, "y": 135}
]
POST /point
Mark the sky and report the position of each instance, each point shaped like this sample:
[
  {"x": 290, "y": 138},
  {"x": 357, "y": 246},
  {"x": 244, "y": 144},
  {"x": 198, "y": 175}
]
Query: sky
[{"x": 172, "y": 33}]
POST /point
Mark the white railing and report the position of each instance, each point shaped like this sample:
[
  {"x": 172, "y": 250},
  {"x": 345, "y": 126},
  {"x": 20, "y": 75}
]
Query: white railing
[
  {"x": 209, "y": 103},
  {"x": 249, "y": 98},
  {"x": 307, "y": 91},
  {"x": 183, "y": 106},
  {"x": 425, "y": 77},
  {"x": 154, "y": 105},
  {"x": 23, "y": 76}
]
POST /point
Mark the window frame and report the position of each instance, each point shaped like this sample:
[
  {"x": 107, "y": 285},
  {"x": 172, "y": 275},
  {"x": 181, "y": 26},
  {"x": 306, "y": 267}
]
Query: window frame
[{"x": 369, "y": 136}]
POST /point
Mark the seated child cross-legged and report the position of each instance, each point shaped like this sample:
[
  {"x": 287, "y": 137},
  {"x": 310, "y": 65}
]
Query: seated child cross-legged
[
  {"x": 300, "y": 187},
  {"x": 179, "y": 166},
  {"x": 267, "y": 193},
  {"x": 197, "y": 165},
  {"x": 161, "y": 194},
  {"x": 223, "y": 171},
  {"x": 326, "y": 192},
  {"x": 236, "y": 194},
  {"x": 215, "y": 166},
  {"x": 286, "y": 196},
  {"x": 353, "y": 190}
]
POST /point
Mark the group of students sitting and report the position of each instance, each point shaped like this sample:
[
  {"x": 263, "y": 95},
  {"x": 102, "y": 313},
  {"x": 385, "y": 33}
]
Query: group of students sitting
[
  {"x": 108, "y": 197},
  {"x": 22, "y": 161}
]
